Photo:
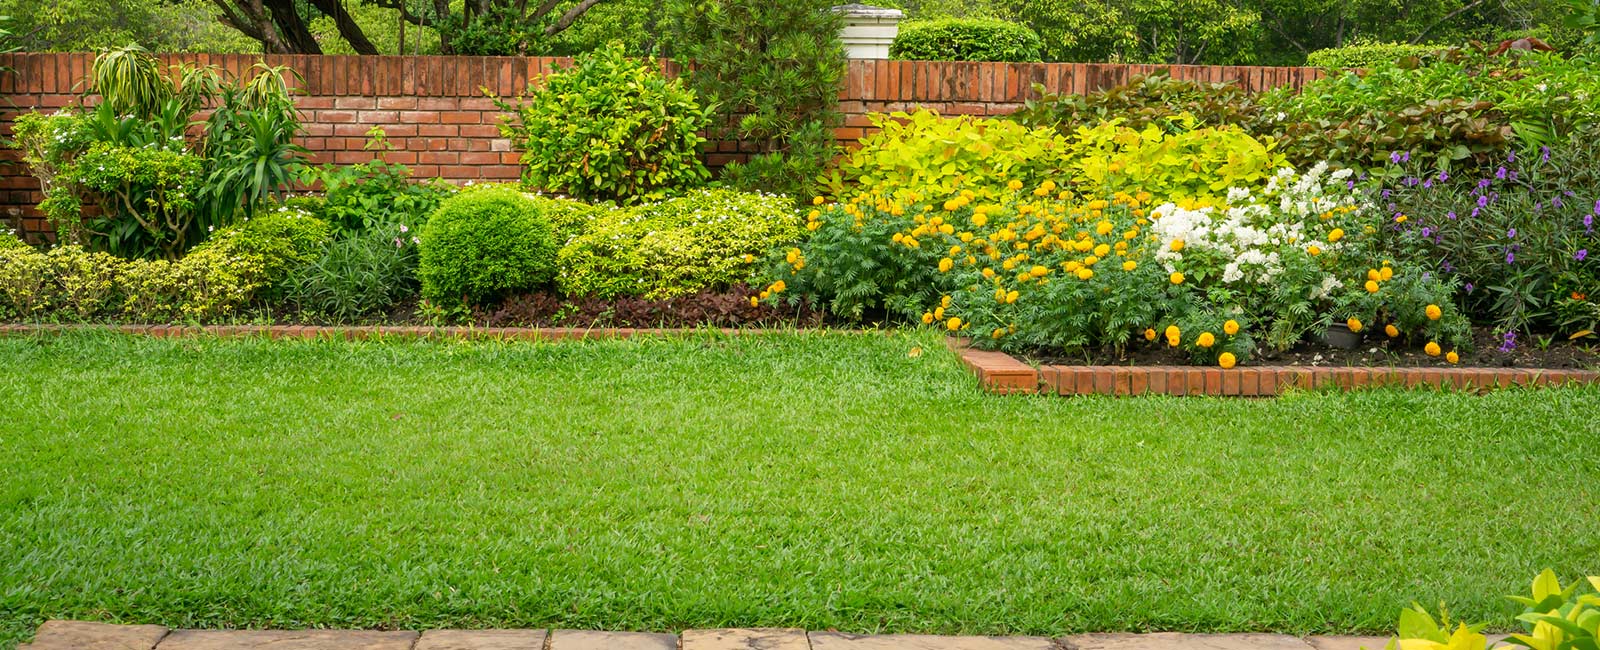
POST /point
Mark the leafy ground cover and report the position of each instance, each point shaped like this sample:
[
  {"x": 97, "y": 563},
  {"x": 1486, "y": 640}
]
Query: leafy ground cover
[{"x": 859, "y": 482}]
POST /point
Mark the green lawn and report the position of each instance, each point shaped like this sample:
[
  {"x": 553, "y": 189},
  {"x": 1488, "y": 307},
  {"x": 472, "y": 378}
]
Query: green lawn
[{"x": 796, "y": 480}]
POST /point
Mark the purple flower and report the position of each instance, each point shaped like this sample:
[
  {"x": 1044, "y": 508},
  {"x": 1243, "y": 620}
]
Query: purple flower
[
  {"x": 1555, "y": 202},
  {"x": 1443, "y": 175},
  {"x": 1426, "y": 275},
  {"x": 1427, "y": 184},
  {"x": 1386, "y": 192},
  {"x": 1426, "y": 231},
  {"x": 1469, "y": 287},
  {"x": 1588, "y": 224},
  {"x": 1511, "y": 156},
  {"x": 1350, "y": 184},
  {"x": 1582, "y": 253},
  {"x": 1451, "y": 214},
  {"x": 1511, "y": 256},
  {"x": 1394, "y": 158},
  {"x": 1544, "y": 154},
  {"x": 1475, "y": 211},
  {"x": 1597, "y": 207},
  {"x": 1511, "y": 234},
  {"x": 1448, "y": 267},
  {"x": 1509, "y": 341},
  {"x": 1484, "y": 183},
  {"x": 1405, "y": 157},
  {"x": 1513, "y": 174},
  {"x": 1483, "y": 201},
  {"x": 1500, "y": 173}
]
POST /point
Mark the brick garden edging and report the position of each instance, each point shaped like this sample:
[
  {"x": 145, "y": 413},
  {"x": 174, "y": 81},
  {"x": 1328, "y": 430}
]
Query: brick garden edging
[{"x": 1003, "y": 374}]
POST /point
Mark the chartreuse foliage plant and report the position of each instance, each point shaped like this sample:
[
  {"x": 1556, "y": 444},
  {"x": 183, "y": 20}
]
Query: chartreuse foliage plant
[
  {"x": 708, "y": 239},
  {"x": 1369, "y": 55},
  {"x": 479, "y": 246},
  {"x": 1183, "y": 161},
  {"x": 1554, "y": 618},
  {"x": 610, "y": 129},
  {"x": 965, "y": 39}
]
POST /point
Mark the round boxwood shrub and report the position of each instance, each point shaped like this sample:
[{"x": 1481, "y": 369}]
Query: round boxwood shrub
[
  {"x": 1368, "y": 55},
  {"x": 966, "y": 39},
  {"x": 708, "y": 239},
  {"x": 479, "y": 246}
]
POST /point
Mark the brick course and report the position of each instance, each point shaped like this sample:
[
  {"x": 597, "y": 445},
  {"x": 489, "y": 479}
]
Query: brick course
[{"x": 433, "y": 104}]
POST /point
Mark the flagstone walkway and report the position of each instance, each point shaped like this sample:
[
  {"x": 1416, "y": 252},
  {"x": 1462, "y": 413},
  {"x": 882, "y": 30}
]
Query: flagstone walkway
[{"x": 78, "y": 635}]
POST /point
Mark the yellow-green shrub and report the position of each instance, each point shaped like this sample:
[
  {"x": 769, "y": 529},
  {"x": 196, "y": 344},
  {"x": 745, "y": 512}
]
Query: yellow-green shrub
[
  {"x": 922, "y": 154},
  {"x": 707, "y": 239},
  {"x": 1178, "y": 161}
]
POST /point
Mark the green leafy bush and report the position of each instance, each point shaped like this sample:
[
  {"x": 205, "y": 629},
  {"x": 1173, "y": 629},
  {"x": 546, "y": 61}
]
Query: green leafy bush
[
  {"x": 479, "y": 246},
  {"x": 1553, "y": 618},
  {"x": 568, "y": 217},
  {"x": 9, "y": 239},
  {"x": 966, "y": 39},
  {"x": 376, "y": 193},
  {"x": 70, "y": 283},
  {"x": 1143, "y": 100},
  {"x": 708, "y": 239},
  {"x": 278, "y": 240},
  {"x": 1172, "y": 163},
  {"x": 773, "y": 70},
  {"x": 357, "y": 277},
  {"x": 609, "y": 129},
  {"x": 1368, "y": 55}
]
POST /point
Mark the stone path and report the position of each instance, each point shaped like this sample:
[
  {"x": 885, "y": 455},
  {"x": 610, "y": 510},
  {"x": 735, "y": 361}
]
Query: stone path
[{"x": 78, "y": 635}]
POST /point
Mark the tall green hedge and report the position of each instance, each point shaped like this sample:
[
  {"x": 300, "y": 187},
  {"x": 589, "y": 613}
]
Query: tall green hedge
[
  {"x": 1367, "y": 55},
  {"x": 966, "y": 39}
]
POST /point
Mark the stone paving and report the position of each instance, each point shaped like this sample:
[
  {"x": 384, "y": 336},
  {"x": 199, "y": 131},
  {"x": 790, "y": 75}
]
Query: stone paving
[{"x": 79, "y": 635}]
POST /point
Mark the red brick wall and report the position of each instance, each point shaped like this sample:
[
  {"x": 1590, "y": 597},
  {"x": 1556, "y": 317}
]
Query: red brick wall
[{"x": 437, "y": 116}]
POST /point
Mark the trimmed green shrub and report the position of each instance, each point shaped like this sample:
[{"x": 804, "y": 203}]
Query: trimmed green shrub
[
  {"x": 70, "y": 283},
  {"x": 966, "y": 39},
  {"x": 709, "y": 239},
  {"x": 1367, "y": 55},
  {"x": 9, "y": 239},
  {"x": 610, "y": 129},
  {"x": 279, "y": 240},
  {"x": 357, "y": 277},
  {"x": 479, "y": 246},
  {"x": 568, "y": 217}
]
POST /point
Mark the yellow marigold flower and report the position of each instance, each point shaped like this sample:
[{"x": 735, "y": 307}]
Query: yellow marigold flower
[
  {"x": 1206, "y": 340},
  {"x": 1391, "y": 330},
  {"x": 955, "y": 250},
  {"x": 1175, "y": 278},
  {"x": 1434, "y": 313},
  {"x": 1091, "y": 260},
  {"x": 1011, "y": 296},
  {"x": 1102, "y": 250},
  {"x": 764, "y": 294},
  {"x": 1231, "y": 327},
  {"x": 1014, "y": 184},
  {"x": 971, "y": 260},
  {"x": 816, "y": 200},
  {"x": 938, "y": 312},
  {"x": 944, "y": 301},
  {"x": 1431, "y": 348},
  {"x": 1008, "y": 264},
  {"x": 1372, "y": 287},
  {"x": 779, "y": 286},
  {"x": 1374, "y": 275},
  {"x": 1085, "y": 273},
  {"x": 814, "y": 215},
  {"x": 1121, "y": 246},
  {"x": 1386, "y": 273},
  {"x": 1149, "y": 334},
  {"x": 1024, "y": 277},
  {"x": 966, "y": 237},
  {"x": 1313, "y": 250},
  {"x": 1130, "y": 265},
  {"x": 1452, "y": 357},
  {"x": 954, "y": 323},
  {"x": 1130, "y": 235},
  {"x": 951, "y": 205},
  {"x": 813, "y": 225},
  {"x": 936, "y": 220},
  {"x": 1049, "y": 186},
  {"x": 1000, "y": 295},
  {"x": 1176, "y": 245},
  {"x": 1173, "y": 332},
  {"x": 1227, "y": 360},
  {"x": 947, "y": 229},
  {"x": 927, "y": 317},
  {"x": 1354, "y": 324},
  {"x": 897, "y": 237},
  {"x": 1039, "y": 271},
  {"x": 755, "y": 302},
  {"x": 1104, "y": 227},
  {"x": 1335, "y": 235},
  {"x": 748, "y": 258},
  {"x": 792, "y": 256},
  {"x": 988, "y": 273},
  {"x": 1400, "y": 218},
  {"x": 1071, "y": 266},
  {"x": 946, "y": 264},
  {"x": 998, "y": 332},
  {"x": 1173, "y": 341}
]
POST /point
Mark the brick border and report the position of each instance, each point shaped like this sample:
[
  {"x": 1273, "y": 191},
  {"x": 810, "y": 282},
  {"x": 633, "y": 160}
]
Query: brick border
[{"x": 1001, "y": 373}]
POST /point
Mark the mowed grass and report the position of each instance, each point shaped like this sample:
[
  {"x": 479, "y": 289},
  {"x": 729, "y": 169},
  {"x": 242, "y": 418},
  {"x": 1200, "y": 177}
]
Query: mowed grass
[{"x": 811, "y": 480}]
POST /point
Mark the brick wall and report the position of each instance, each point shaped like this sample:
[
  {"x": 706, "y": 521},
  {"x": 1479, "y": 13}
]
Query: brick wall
[{"x": 438, "y": 118}]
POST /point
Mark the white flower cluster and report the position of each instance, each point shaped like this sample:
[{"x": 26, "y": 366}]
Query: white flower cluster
[{"x": 1249, "y": 233}]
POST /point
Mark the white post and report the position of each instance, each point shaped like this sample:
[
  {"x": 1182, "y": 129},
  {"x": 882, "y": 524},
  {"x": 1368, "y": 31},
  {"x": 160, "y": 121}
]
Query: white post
[{"x": 868, "y": 30}]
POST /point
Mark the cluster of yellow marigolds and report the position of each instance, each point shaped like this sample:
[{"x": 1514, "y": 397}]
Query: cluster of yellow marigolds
[{"x": 1373, "y": 284}]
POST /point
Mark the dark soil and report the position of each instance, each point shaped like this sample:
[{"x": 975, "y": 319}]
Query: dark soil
[
  {"x": 729, "y": 308},
  {"x": 1376, "y": 351}
]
